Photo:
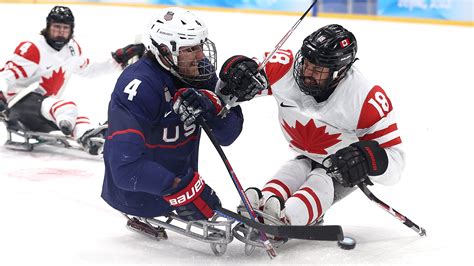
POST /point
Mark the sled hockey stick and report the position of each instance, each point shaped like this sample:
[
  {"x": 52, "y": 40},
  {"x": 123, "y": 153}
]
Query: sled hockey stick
[
  {"x": 266, "y": 242},
  {"x": 232, "y": 102},
  {"x": 420, "y": 230}
]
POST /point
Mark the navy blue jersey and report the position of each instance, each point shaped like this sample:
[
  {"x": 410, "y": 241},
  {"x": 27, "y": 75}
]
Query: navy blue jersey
[{"x": 147, "y": 145}]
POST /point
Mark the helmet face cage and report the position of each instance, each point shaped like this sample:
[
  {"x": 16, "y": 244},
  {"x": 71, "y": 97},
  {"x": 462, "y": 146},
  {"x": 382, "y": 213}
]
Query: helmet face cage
[
  {"x": 178, "y": 39},
  {"x": 323, "y": 60},
  {"x": 197, "y": 63}
]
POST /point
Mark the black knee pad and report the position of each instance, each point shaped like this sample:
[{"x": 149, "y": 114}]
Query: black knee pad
[{"x": 28, "y": 112}]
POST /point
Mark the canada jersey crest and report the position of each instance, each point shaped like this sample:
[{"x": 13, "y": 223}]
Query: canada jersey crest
[{"x": 309, "y": 137}]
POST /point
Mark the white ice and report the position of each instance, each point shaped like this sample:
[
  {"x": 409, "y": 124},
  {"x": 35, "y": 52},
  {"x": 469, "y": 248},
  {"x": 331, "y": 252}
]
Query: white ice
[{"x": 52, "y": 213}]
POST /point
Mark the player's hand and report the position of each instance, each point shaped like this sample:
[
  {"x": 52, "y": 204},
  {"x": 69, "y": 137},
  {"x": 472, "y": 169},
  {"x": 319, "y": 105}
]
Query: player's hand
[
  {"x": 193, "y": 199},
  {"x": 241, "y": 78},
  {"x": 123, "y": 55},
  {"x": 190, "y": 103},
  {"x": 351, "y": 165}
]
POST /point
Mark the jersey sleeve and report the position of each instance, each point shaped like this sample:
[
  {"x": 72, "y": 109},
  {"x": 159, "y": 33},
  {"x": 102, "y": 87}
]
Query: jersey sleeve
[
  {"x": 227, "y": 129},
  {"x": 127, "y": 152},
  {"x": 23, "y": 64},
  {"x": 278, "y": 66},
  {"x": 377, "y": 122},
  {"x": 90, "y": 69}
]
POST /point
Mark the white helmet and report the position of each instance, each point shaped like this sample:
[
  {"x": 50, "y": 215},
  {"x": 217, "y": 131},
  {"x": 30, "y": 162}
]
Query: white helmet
[{"x": 174, "y": 28}]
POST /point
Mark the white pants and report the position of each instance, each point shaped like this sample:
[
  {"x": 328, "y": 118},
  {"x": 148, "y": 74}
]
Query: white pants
[
  {"x": 308, "y": 192},
  {"x": 57, "y": 110}
]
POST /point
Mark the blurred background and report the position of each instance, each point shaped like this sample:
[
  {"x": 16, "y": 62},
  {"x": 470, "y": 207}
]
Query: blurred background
[
  {"x": 419, "y": 51},
  {"x": 459, "y": 12}
]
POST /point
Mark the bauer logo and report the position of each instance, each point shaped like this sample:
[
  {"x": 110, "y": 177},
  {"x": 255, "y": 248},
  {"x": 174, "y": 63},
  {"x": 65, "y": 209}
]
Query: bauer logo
[{"x": 188, "y": 196}]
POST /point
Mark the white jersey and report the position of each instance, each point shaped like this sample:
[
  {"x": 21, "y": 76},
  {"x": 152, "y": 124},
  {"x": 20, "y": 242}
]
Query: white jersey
[
  {"x": 37, "y": 62},
  {"x": 356, "y": 110}
]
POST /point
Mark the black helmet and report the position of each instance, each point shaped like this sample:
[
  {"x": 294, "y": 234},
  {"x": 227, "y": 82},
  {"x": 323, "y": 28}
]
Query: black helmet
[
  {"x": 59, "y": 14},
  {"x": 331, "y": 47}
]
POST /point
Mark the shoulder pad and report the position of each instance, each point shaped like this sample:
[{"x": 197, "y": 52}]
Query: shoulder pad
[
  {"x": 29, "y": 51},
  {"x": 280, "y": 63},
  {"x": 376, "y": 106}
]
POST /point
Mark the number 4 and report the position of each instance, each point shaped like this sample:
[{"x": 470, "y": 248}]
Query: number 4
[
  {"x": 131, "y": 88},
  {"x": 24, "y": 48}
]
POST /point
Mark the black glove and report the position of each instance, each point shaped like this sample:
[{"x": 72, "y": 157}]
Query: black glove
[
  {"x": 190, "y": 103},
  {"x": 123, "y": 55},
  {"x": 352, "y": 165},
  {"x": 241, "y": 78},
  {"x": 3, "y": 102},
  {"x": 193, "y": 199}
]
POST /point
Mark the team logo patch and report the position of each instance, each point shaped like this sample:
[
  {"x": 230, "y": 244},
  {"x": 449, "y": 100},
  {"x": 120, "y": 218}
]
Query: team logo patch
[
  {"x": 169, "y": 16},
  {"x": 344, "y": 43}
]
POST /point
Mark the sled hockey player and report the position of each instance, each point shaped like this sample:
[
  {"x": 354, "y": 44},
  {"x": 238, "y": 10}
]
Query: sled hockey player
[
  {"x": 341, "y": 125},
  {"x": 152, "y": 143},
  {"x": 33, "y": 80}
]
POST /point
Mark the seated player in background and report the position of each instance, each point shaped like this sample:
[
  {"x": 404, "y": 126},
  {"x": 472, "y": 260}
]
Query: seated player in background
[{"x": 37, "y": 74}]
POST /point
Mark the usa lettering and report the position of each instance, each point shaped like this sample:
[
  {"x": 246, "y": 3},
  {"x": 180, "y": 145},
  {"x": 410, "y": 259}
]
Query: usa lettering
[{"x": 170, "y": 137}]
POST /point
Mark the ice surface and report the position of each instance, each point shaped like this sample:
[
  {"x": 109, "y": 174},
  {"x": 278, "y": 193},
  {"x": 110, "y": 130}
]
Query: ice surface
[{"x": 52, "y": 213}]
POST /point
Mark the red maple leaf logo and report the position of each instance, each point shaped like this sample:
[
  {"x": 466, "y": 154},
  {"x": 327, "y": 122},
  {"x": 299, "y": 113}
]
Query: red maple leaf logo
[
  {"x": 310, "y": 138},
  {"x": 53, "y": 83}
]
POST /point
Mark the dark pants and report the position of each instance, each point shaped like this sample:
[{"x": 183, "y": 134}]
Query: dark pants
[{"x": 26, "y": 115}]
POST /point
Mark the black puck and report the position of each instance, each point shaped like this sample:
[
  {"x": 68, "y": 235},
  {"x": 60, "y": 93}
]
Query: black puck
[{"x": 347, "y": 243}]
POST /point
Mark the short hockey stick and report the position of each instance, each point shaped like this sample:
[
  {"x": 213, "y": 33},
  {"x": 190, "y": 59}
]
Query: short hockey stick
[
  {"x": 420, "y": 230},
  {"x": 268, "y": 246}
]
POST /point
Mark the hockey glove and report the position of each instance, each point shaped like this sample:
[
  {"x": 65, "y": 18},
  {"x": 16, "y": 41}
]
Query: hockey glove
[
  {"x": 190, "y": 103},
  {"x": 352, "y": 165},
  {"x": 123, "y": 55},
  {"x": 241, "y": 78},
  {"x": 194, "y": 200},
  {"x": 3, "y": 102}
]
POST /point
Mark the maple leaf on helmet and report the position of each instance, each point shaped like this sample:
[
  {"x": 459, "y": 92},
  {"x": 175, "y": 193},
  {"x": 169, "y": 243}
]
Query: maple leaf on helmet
[{"x": 310, "y": 138}]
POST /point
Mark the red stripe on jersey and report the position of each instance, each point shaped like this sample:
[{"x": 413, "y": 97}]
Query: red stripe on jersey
[
  {"x": 316, "y": 199},
  {"x": 274, "y": 191},
  {"x": 29, "y": 51},
  {"x": 391, "y": 143},
  {"x": 380, "y": 133},
  {"x": 282, "y": 185},
  {"x": 307, "y": 204},
  {"x": 22, "y": 70},
  {"x": 151, "y": 146},
  {"x": 277, "y": 67},
  {"x": 14, "y": 73},
  {"x": 376, "y": 106}
]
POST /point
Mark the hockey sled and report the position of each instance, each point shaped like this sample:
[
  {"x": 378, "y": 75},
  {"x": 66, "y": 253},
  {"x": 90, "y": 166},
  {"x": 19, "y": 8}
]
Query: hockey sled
[
  {"x": 19, "y": 137},
  {"x": 219, "y": 230},
  {"x": 215, "y": 232}
]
